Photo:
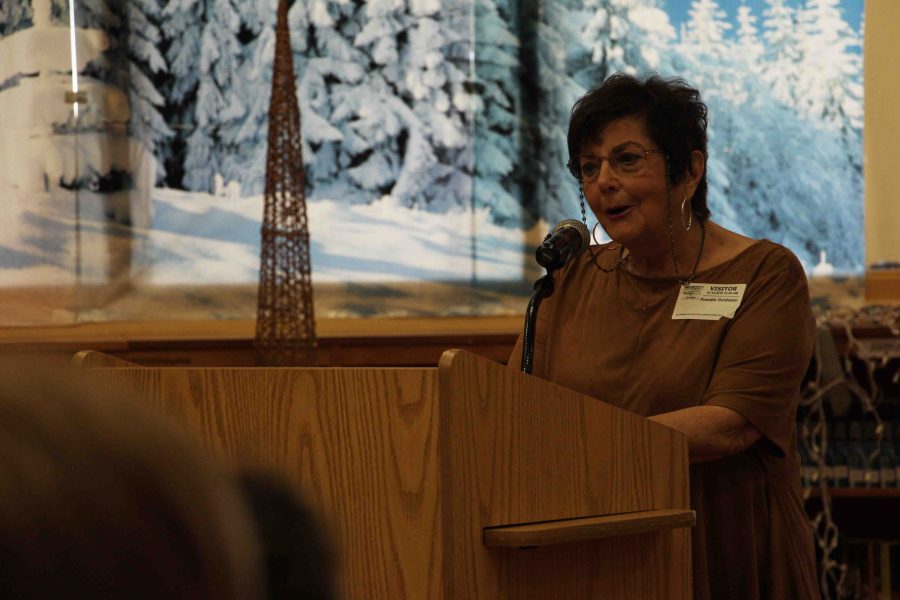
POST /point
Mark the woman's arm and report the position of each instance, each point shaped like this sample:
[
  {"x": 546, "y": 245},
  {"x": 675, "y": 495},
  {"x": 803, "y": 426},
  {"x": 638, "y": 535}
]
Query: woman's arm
[{"x": 713, "y": 432}]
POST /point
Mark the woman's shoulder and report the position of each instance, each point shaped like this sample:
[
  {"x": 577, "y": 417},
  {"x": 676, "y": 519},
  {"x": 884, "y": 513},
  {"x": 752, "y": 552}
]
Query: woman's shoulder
[
  {"x": 768, "y": 257},
  {"x": 735, "y": 251}
]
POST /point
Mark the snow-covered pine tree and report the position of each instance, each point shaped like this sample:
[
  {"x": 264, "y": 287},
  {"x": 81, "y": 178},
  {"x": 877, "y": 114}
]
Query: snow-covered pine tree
[
  {"x": 181, "y": 23},
  {"x": 748, "y": 45},
  {"x": 706, "y": 59},
  {"x": 332, "y": 88},
  {"x": 704, "y": 32},
  {"x": 628, "y": 36},
  {"x": 496, "y": 120},
  {"x": 204, "y": 56},
  {"x": 131, "y": 63},
  {"x": 783, "y": 53},
  {"x": 830, "y": 94},
  {"x": 327, "y": 66},
  {"x": 771, "y": 174},
  {"x": 551, "y": 44},
  {"x": 386, "y": 135},
  {"x": 14, "y": 15},
  {"x": 412, "y": 128},
  {"x": 451, "y": 129},
  {"x": 786, "y": 186},
  {"x": 142, "y": 37},
  {"x": 243, "y": 130},
  {"x": 739, "y": 141},
  {"x": 736, "y": 98},
  {"x": 831, "y": 73},
  {"x": 362, "y": 135}
]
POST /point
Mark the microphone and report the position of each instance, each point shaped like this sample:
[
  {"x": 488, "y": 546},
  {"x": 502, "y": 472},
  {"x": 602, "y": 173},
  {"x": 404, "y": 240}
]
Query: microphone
[{"x": 566, "y": 241}]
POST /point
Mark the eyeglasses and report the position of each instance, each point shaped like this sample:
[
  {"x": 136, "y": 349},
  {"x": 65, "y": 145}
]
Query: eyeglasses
[{"x": 627, "y": 159}]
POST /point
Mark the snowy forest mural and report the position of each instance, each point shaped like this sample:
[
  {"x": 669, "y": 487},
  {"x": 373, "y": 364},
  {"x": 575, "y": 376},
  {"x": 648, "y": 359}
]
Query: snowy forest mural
[{"x": 433, "y": 140}]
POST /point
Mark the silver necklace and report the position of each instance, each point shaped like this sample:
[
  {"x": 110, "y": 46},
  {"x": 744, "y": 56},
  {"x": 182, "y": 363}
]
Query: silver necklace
[{"x": 623, "y": 258}]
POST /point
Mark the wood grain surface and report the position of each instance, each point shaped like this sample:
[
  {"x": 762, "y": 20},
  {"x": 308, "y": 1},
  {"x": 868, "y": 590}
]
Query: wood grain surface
[
  {"x": 362, "y": 444},
  {"x": 92, "y": 359},
  {"x": 587, "y": 529},
  {"x": 408, "y": 466},
  {"x": 517, "y": 450}
]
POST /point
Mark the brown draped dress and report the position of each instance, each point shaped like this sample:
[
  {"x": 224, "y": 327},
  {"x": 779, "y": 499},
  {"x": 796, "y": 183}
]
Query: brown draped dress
[{"x": 612, "y": 336}]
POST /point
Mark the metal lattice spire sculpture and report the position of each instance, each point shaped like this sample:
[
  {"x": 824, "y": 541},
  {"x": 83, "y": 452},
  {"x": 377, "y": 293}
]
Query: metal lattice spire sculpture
[{"x": 285, "y": 325}]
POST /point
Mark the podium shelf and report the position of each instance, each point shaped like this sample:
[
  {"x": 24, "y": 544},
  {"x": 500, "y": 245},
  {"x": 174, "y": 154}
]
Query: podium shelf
[{"x": 585, "y": 529}]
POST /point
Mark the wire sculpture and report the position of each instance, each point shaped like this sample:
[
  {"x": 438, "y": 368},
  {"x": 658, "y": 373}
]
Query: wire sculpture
[
  {"x": 813, "y": 428},
  {"x": 285, "y": 324}
]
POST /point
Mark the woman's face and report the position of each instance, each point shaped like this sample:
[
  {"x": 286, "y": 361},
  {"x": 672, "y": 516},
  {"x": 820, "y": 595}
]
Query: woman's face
[{"x": 630, "y": 202}]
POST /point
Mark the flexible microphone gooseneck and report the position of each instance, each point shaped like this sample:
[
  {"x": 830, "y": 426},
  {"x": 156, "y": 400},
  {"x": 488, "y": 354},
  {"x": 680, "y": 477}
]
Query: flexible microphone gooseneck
[{"x": 566, "y": 241}]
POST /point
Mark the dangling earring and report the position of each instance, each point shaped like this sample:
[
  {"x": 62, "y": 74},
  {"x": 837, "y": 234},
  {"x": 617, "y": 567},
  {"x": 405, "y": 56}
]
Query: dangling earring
[
  {"x": 595, "y": 253},
  {"x": 689, "y": 221},
  {"x": 581, "y": 200},
  {"x": 594, "y": 233}
]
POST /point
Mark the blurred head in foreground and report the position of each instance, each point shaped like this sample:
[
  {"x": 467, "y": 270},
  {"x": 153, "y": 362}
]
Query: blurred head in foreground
[
  {"x": 101, "y": 499},
  {"x": 298, "y": 560}
]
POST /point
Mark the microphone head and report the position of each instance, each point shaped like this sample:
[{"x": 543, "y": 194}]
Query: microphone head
[
  {"x": 567, "y": 239},
  {"x": 580, "y": 227}
]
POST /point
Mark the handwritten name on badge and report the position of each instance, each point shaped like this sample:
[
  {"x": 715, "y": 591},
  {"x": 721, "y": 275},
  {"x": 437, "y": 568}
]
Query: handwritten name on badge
[{"x": 708, "y": 301}]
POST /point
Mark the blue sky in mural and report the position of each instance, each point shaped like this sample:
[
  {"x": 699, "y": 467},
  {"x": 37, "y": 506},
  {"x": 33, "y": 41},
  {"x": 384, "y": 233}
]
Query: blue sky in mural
[{"x": 678, "y": 9}]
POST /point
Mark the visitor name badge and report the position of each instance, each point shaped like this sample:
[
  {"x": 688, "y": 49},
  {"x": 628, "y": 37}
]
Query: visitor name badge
[{"x": 708, "y": 301}]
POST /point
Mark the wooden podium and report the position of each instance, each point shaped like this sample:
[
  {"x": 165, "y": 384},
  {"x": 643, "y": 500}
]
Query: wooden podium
[{"x": 466, "y": 481}]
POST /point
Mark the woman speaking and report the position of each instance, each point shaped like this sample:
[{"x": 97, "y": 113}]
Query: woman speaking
[{"x": 692, "y": 325}]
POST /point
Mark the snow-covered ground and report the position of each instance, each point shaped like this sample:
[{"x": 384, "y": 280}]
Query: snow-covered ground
[
  {"x": 202, "y": 241},
  {"x": 200, "y": 238}
]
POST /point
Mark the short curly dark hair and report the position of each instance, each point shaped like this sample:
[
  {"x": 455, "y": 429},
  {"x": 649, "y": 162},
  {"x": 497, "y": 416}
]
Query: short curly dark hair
[{"x": 673, "y": 113}]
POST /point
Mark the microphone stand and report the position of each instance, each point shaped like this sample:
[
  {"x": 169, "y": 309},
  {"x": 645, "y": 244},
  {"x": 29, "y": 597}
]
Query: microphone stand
[
  {"x": 543, "y": 288},
  {"x": 551, "y": 256}
]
